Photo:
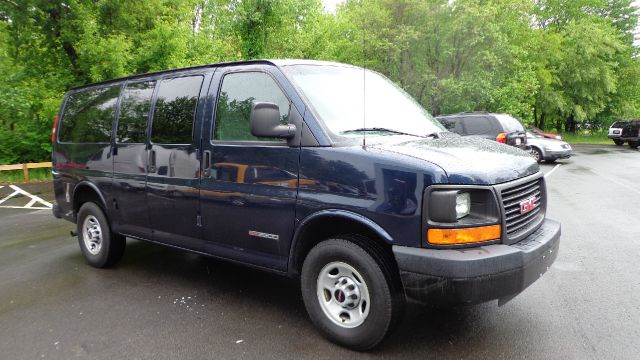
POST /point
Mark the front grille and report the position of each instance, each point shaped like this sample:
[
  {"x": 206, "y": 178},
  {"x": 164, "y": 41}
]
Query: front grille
[{"x": 518, "y": 224}]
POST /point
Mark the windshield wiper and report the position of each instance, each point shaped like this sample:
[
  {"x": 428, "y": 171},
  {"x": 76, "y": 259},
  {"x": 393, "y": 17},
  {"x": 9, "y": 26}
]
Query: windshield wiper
[{"x": 380, "y": 129}]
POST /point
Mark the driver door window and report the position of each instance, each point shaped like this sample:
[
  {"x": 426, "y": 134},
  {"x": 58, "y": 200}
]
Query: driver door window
[{"x": 238, "y": 93}]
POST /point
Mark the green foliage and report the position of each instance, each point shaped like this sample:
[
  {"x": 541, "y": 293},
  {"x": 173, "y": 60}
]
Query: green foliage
[{"x": 554, "y": 63}]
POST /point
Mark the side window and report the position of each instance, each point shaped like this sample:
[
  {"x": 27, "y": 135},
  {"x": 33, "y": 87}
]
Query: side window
[
  {"x": 448, "y": 123},
  {"x": 88, "y": 115},
  {"x": 134, "y": 112},
  {"x": 175, "y": 110},
  {"x": 477, "y": 125},
  {"x": 238, "y": 92}
]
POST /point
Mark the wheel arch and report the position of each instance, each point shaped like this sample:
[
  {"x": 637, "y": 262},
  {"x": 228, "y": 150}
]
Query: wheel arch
[
  {"x": 87, "y": 191},
  {"x": 328, "y": 223}
]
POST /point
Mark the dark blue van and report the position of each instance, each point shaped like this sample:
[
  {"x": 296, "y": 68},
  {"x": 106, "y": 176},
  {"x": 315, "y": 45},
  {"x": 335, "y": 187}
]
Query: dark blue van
[{"x": 322, "y": 171}]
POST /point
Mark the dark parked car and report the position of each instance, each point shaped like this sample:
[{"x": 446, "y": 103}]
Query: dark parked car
[
  {"x": 631, "y": 133},
  {"x": 615, "y": 132},
  {"x": 270, "y": 164},
  {"x": 502, "y": 128}
]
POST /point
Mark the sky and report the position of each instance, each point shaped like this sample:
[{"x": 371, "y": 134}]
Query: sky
[{"x": 330, "y": 5}]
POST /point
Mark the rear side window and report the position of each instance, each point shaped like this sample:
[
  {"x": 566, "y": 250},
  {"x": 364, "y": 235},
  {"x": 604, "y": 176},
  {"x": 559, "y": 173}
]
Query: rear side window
[
  {"x": 175, "y": 110},
  {"x": 88, "y": 115},
  {"x": 509, "y": 123},
  {"x": 134, "y": 112},
  {"x": 238, "y": 92},
  {"x": 477, "y": 125}
]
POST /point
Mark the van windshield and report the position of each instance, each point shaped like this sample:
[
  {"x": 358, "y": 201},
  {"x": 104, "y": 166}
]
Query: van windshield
[{"x": 349, "y": 100}]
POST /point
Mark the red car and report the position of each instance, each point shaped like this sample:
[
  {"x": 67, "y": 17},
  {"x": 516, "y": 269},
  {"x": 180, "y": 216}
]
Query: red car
[{"x": 537, "y": 131}]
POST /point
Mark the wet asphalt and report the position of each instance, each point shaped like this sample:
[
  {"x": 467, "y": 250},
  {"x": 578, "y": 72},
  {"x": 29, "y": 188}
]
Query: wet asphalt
[{"x": 160, "y": 303}]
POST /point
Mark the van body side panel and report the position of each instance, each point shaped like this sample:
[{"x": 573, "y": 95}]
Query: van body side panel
[
  {"x": 130, "y": 160},
  {"x": 82, "y": 149},
  {"x": 248, "y": 196},
  {"x": 173, "y": 171},
  {"x": 367, "y": 182},
  {"x": 74, "y": 163}
]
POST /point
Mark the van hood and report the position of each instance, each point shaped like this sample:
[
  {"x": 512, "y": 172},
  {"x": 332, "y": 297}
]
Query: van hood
[{"x": 467, "y": 160}]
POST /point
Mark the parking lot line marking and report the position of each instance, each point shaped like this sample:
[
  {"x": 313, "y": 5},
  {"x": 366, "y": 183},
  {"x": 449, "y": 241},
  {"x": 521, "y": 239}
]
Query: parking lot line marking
[
  {"x": 34, "y": 199},
  {"x": 552, "y": 170},
  {"x": 27, "y": 208},
  {"x": 9, "y": 196}
]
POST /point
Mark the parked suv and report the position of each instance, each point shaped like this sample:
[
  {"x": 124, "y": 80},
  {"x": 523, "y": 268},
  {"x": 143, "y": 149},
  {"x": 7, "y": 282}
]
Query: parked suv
[
  {"x": 502, "y": 128},
  {"x": 631, "y": 133},
  {"x": 274, "y": 165},
  {"x": 615, "y": 131}
]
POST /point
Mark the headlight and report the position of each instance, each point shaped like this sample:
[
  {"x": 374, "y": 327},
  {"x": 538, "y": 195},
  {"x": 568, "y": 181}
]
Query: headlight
[
  {"x": 468, "y": 206},
  {"x": 460, "y": 215},
  {"x": 463, "y": 204}
]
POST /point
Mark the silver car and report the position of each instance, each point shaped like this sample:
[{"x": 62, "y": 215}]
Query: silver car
[{"x": 548, "y": 150}]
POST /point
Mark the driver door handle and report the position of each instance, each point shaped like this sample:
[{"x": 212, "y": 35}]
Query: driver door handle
[{"x": 206, "y": 164}]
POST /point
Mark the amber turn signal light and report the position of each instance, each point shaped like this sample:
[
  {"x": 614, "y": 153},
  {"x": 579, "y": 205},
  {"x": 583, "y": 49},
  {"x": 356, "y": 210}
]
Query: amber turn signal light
[{"x": 463, "y": 236}]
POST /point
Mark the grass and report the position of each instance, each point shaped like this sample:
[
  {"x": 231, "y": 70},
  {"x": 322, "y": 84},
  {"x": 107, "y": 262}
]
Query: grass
[
  {"x": 595, "y": 137},
  {"x": 15, "y": 176}
]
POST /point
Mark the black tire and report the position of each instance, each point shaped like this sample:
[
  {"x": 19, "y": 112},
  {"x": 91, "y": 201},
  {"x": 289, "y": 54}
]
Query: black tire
[
  {"x": 111, "y": 246},
  {"x": 634, "y": 144},
  {"x": 537, "y": 154},
  {"x": 618, "y": 142},
  {"x": 550, "y": 161},
  {"x": 380, "y": 276}
]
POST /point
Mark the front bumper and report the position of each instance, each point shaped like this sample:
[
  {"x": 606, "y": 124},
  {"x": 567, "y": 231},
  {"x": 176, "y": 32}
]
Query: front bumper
[
  {"x": 475, "y": 275},
  {"x": 558, "y": 154},
  {"x": 613, "y": 136}
]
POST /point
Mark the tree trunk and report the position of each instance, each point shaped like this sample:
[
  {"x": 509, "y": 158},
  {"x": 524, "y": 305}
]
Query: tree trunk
[
  {"x": 570, "y": 124},
  {"x": 541, "y": 124}
]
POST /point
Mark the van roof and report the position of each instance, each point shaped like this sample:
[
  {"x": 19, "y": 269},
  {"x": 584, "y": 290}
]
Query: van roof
[{"x": 277, "y": 62}]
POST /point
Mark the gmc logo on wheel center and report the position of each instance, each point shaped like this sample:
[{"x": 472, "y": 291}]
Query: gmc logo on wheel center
[{"x": 527, "y": 205}]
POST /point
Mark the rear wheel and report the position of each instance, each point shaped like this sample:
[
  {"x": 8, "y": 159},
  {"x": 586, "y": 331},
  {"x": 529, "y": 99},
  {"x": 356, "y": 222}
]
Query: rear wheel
[
  {"x": 352, "y": 295},
  {"x": 100, "y": 247},
  {"x": 618, "y": 142},
  {"x": 634, "y": 144}
]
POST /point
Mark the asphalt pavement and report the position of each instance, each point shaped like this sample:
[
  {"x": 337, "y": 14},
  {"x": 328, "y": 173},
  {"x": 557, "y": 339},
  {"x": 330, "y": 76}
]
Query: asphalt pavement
[{"x": 160, "y": 303}]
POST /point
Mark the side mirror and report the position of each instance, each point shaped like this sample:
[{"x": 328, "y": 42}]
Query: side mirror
[{"x": 265, "y": 122}]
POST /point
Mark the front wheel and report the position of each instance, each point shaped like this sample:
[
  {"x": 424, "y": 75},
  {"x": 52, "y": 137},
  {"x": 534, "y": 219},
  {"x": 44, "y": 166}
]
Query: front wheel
[
  {"x": 618, "y": 142},
  {"x": 634, "y": 144},
  {"x": 537, "y": 154},
  {"x": 352, "y": 295},
  {"x": 100, "y": 247}
]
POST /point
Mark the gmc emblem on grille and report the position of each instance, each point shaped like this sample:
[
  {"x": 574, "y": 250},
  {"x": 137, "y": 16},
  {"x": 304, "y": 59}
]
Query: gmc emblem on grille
[{"x": 527, "y": 205}]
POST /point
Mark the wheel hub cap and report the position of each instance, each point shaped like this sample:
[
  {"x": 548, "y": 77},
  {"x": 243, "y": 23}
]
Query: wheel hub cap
[
  {"x": 92, "y": 235},
  {"x": 343, "y": 294},
  {"x": 347, "y": 293}
]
